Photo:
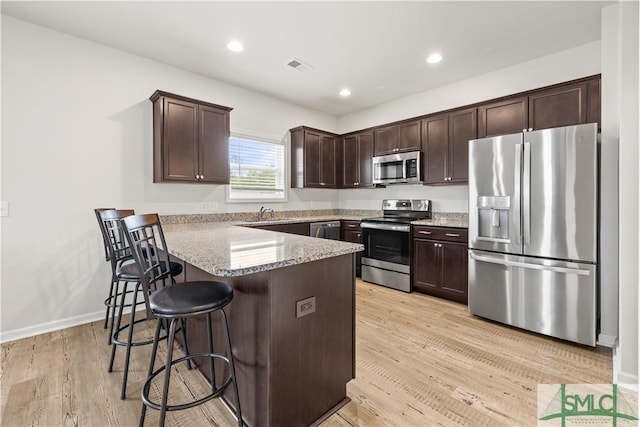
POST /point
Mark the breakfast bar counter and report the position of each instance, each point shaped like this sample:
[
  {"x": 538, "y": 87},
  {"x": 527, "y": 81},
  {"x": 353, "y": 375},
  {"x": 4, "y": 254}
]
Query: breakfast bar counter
[{"x": 292, "y": 317}]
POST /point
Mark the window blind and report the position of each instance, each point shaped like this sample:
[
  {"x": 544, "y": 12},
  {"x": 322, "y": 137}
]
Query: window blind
[{"x": 256, "y": 169}]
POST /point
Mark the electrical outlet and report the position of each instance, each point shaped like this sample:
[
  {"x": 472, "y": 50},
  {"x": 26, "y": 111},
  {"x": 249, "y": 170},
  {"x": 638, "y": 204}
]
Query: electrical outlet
[
  {"x": 4, "y": 209},
  {"x": 305, "y": 306},
  {"x": 209, "y": 206}
]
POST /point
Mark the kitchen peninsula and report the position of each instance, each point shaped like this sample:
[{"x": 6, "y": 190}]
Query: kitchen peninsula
[{"x": 292, "y": 317}]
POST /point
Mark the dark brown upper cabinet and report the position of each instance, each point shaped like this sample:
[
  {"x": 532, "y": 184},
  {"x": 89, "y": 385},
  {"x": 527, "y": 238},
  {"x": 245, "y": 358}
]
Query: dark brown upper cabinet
[
  {"x": 397, "y": 138},
  {"x": 357, "y": 160},
  {"x": 565, "y": 104},
  {"x": 445, "y": 146},
  {"x": 314, "y": 158},
  {"x": 559, "y": 106},
  {"x": 190, "y": 140},
  {"x": 503, "y": 117}
]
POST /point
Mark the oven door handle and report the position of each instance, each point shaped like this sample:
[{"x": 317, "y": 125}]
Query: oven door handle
[{"x": 388, "y": 227}]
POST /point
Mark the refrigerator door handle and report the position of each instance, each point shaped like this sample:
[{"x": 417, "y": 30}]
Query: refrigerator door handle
[
  {"x": 516, "y": 193},
  {"x": 526, "y": 193},
  {"x": 507, "y": 263}
]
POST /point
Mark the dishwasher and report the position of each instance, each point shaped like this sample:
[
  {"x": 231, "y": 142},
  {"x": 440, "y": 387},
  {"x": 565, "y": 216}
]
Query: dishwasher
[{"x": 325, "y": 230}]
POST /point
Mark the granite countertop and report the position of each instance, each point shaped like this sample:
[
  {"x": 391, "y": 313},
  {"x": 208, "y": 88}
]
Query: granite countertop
[
  {"x": 293, "y": 220},
  {"x": 445, "y": 219},
  {"x": 226, "y": 249}
]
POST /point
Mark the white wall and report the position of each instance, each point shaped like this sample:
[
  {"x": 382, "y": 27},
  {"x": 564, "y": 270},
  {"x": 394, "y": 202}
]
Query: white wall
[
  {"x": 76, "y": 135},
  {"x": 567, "y": 65}
]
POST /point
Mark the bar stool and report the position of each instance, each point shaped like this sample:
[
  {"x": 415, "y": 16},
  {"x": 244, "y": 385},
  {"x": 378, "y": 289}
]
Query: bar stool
[
  {"x": 125, "y": 271},
  {"x": 110, "y": 300},
  {"x": 174, "y": 304}
]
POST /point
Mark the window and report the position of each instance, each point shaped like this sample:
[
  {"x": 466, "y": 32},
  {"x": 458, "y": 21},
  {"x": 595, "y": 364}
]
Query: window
[{"x": 256, "y": 169}]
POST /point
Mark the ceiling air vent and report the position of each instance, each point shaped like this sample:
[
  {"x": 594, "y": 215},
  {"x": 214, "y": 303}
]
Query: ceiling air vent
[{"x": 297, "y": 64}]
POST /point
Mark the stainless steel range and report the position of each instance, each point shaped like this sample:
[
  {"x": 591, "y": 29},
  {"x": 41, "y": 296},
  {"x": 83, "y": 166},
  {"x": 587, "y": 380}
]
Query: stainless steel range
[{"x": 387, "y": 242}]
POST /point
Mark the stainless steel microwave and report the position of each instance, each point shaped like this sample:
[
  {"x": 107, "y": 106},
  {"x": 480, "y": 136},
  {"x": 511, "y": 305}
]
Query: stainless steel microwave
[{"x": 397, "y": 168}]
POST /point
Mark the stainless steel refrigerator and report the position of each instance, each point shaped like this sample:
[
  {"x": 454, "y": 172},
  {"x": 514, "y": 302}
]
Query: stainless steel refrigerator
[{"x": 533, "y": 231}]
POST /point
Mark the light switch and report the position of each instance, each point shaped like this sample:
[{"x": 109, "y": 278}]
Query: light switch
[{"x": 4, "y": 209}]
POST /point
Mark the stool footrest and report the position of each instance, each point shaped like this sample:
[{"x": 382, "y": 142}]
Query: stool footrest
[
  {"x": 216, "y": 393},
  {"x": 117, "y": 341}
]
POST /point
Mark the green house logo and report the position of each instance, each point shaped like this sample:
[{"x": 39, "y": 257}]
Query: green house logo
[{"x": 586, "y": 404}]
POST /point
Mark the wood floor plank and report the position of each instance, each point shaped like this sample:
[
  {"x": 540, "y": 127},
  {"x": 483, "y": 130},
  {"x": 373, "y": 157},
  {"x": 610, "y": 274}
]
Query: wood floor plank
[{"x": 420, "y": 361}]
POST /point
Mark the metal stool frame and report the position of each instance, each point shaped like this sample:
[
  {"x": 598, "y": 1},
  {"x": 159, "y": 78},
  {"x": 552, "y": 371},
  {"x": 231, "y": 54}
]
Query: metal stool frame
[{"x": 144, "y": 233}]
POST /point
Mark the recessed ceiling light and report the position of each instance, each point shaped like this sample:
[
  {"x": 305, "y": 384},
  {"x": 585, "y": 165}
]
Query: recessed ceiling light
[
  {"x": 434, "y": 58},
  {"x": 345, "y": 92},
  {"x": 235, "y": 46}
]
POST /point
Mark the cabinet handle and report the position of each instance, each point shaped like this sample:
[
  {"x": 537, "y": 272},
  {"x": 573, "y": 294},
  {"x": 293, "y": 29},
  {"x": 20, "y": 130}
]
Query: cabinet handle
[
  {"x": 355, "y": 183},
  {"x": 322, "y": 183},
  {"x": 358, "y": 234},
  {"x": 351, "y": 225},
  {"x": 530, "y": 129},
  {"x": 452, "y": 234},
  {"x": 424, "y": 232}
]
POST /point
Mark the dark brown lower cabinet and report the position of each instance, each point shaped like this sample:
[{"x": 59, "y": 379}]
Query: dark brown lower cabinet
[
  {"x": 351, "y": 232},
  {"x": 300, "y": 228},
  {"x": 439, "y": 262}
]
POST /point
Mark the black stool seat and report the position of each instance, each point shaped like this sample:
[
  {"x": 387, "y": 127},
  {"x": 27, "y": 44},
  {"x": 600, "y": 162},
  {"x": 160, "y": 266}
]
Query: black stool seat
[
  {"x": 129, "y": 270},
  {"x": 190, "y": 298}
]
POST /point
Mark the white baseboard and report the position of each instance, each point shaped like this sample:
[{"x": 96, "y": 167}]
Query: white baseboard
[
  {"x": 628, "y": 381},
  {"x": 623, "y": 379},
  {"x": 56, "y": 325}
]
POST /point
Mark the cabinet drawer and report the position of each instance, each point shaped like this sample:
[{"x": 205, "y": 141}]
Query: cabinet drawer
[
  {"x": 351, "y": 225},
  {"x": 440, "y": 233}
]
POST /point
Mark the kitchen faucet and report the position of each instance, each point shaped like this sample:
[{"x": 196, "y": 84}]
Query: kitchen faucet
[{"x": 264, "y": 211}]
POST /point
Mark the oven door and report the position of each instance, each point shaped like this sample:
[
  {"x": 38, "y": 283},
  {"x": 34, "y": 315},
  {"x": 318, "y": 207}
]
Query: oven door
[{"x": 386, "y": 242}]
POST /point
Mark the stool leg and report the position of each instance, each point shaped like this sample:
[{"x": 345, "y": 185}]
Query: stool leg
[
  {"x": 112, "y": 308},
  {"x": 127, "y": 357},
  {"x": 167, "y": 372},
  {"x": 212, "y": 371},
  {"x": 233, "y": 369},
  {"x": 114, "y": 335},
  {"x": 152, "y": 361},
  {"x": 183, "y": 328},
  {"x": 110, "y": 299}
]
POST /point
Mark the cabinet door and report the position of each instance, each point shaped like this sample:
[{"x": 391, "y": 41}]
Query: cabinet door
[
  {"x": 386, "y": 140},
  {"x": 454, "y": 271},
  {"x": 180, "y": 141},
  {"x": 328, "y": 158},
  {"x": 213, "y": 144},
  {"x": 426, "y": 272},
  {"x": 435, "y": 142},
  {"x": 409, "y": 136},
  {"x": 462, "y": 128},
  {"x": 504, "y": 117},
  {"x": 312, "y": 154},
  {"x": 561, "y": 106},
  {"x": 350, "y": 162},
  {"x": 352, "y": 236},
  {"x": 365, "y": 157}
]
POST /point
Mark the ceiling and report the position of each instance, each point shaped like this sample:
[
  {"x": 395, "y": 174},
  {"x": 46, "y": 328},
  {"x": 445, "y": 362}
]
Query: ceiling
[{"x": 376, "y": 49}]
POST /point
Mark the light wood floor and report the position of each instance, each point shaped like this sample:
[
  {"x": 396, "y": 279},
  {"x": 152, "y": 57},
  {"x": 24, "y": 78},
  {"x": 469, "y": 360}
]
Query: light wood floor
[{"x": 421, "y": 361}]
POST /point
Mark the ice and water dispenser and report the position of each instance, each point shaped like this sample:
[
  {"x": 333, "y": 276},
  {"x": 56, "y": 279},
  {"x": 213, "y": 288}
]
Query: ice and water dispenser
[{"x": 493, "y": 218}]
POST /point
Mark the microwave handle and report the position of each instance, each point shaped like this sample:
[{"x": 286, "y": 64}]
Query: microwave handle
[{"x": 405, "y": 166}]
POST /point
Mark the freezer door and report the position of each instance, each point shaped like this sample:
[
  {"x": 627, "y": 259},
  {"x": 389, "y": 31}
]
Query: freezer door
[
  {"x": 494, "y": 193},
  {"x": 545, "y": 296},
  {"x": 559, "y": 193}
]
